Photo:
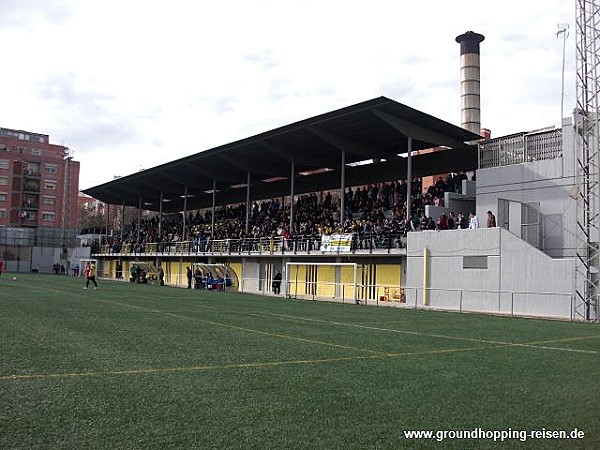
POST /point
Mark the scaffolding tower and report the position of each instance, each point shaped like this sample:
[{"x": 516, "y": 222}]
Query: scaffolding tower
[{"x": 587, "y": 136}]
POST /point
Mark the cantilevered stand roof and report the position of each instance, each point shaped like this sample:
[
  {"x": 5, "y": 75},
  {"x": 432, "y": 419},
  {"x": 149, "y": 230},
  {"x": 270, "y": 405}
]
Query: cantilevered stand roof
[{"x": 375, "y": 129}]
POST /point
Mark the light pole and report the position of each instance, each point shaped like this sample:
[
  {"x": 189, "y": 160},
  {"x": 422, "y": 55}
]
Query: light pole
[{"x": 563, "y": 28}]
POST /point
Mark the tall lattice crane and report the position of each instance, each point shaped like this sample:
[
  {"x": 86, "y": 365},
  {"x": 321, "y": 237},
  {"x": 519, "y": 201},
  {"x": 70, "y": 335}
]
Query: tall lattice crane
[{"x": 588, "y": 156}]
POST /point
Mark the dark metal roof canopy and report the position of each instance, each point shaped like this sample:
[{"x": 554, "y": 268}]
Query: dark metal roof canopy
[{"x": 375, "y": 129}]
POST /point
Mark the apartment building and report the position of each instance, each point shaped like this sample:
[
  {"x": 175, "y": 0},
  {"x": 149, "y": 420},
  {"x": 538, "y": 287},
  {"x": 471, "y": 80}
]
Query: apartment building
[{"x": 39, "y": 181}]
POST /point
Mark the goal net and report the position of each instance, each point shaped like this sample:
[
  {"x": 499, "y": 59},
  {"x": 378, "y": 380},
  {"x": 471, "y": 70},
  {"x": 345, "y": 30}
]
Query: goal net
[{"x": 321, "y": 280}]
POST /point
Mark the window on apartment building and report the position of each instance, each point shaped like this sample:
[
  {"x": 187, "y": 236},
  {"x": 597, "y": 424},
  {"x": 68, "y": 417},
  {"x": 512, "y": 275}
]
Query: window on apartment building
[
  {"x": 2, "y": 214},
  {"x": 3, "y": 163},
  {"x": 33, "y": 168},
  {"x": 3, "y": 181},
  {"x": 50, "y": 201},
  {"x": 51, "y": 185},
  {"x": 36, "y": 152},
  {"x": 29, "y": 215},
  {"x": 51, "y": 168},
  {"x": 20, "y": 150},
  {"x": 30, "y": 137},
  {"x": 48, "y": 216},
  {"x": 3, "y": 196}
]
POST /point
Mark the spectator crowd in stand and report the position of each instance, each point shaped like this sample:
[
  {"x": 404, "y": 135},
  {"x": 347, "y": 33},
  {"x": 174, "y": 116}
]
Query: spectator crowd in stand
[{"x": 374, "y": 209}]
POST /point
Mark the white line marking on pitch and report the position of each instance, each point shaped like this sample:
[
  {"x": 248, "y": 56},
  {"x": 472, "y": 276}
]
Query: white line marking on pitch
[{"x": 440, "y": 336}]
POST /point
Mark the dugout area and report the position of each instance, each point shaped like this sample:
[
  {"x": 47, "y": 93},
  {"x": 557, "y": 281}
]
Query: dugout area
[{"x": 175, "y": 271}]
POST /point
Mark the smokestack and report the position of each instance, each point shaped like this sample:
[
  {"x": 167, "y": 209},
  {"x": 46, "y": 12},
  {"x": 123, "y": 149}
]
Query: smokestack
[{"x": 470, "y": 111}]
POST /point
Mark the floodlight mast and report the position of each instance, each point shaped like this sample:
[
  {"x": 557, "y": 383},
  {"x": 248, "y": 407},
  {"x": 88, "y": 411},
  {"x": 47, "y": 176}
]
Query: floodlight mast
[
  {"x": 563, "y": 29},
  {"x": 587, "y": 134}
]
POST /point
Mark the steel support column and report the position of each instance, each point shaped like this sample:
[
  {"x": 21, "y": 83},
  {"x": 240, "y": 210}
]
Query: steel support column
[
  {"x": 248, "y": 204},
  {"x": 212, "y": 211},
  {"x": 185, "y": 196},
  {"x": 160, "y": 216},
  {"x": 342, "y": 190},
  {"x": 139, "y": 227},
  {"x": 292, "y": 180},
  {"x": 409, "y": 183}
]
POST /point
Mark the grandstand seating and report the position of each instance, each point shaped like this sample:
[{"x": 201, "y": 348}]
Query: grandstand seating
[{"x": 375, "y": 214}]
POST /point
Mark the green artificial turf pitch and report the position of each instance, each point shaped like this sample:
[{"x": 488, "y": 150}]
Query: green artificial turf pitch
[{"x": 148, "y": 367}]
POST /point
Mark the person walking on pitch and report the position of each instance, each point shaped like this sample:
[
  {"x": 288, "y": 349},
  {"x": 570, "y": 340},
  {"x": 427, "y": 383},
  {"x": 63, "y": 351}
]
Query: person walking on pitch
[{"x": 90, "y": 275}]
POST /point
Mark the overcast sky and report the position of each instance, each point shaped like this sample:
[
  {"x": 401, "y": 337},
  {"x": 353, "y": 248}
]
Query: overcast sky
[{"x": 130, "y": 84}]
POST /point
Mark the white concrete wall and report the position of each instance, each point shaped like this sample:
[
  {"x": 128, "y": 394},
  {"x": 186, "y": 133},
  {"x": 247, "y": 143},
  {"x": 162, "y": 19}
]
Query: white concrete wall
[
  {"x": 519, "y": 279},
  {"x": 543, "y": 182}
]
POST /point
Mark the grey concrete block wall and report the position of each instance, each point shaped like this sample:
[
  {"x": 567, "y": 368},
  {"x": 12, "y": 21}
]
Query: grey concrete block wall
[
  {"x": 42, "y": 258},
  {"x": 446, "y": 252},
  {"x": 518, "y": 278}
]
